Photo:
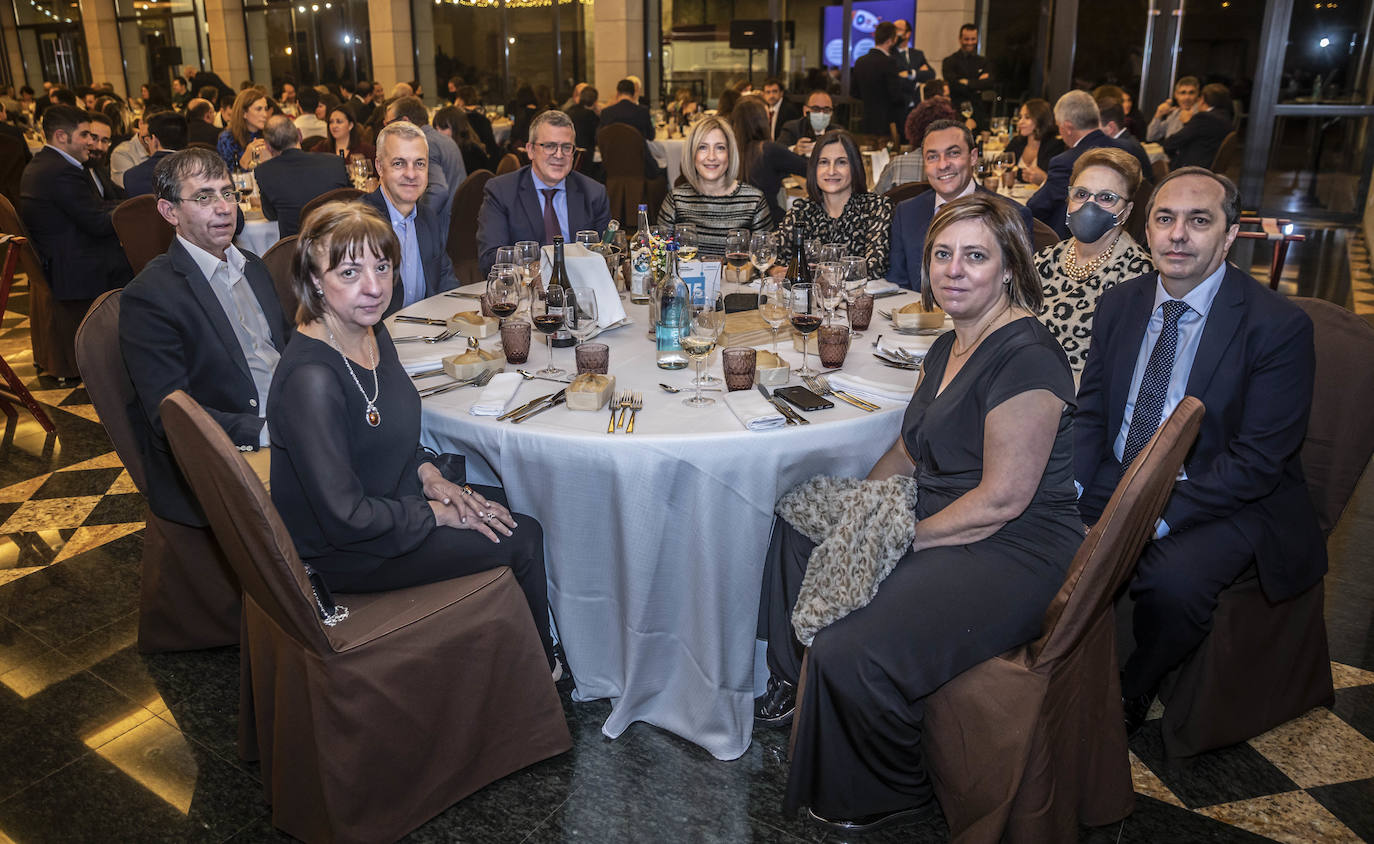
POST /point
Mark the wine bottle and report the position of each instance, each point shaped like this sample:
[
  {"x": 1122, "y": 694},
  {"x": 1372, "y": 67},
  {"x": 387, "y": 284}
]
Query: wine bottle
[
  {"x": 798, "y": 270},
  {"x": 559, "y": 278},
  {"x": 674, "y": 316},
  {"x": 611, "y": 228},
  {"x": 640, "y": 258}
]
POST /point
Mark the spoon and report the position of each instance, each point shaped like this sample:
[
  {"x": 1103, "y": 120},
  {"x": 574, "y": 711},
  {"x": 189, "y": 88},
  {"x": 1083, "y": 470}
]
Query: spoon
[
  {"x": 879, "y": 340},
  {"x": 530, "y": 376},
  {"x": 671, "y": 389}
]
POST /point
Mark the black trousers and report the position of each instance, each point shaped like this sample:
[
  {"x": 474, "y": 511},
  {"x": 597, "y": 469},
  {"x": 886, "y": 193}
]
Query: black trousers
[
  {"x": 1175, "y": 590},
  {"x": 940, "y": 612},
  {"x": 449, "y": 552}
]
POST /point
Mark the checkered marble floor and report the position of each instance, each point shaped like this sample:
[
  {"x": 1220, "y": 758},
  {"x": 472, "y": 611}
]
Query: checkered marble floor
[{"x": 82, "y": 709}]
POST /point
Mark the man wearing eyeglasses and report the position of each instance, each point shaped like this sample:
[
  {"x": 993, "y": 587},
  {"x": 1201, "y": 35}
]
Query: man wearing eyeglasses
[
  {"x": 542, "y": 199},
  {"x": 817, "y": 115},
  {"x": 203, "y": 318}
]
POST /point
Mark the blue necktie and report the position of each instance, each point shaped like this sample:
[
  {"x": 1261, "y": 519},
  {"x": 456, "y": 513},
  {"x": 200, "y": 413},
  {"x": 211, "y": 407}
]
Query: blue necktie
[
  {"x": 412, "y": 277},
  {"x": 1154, "y": 387}
]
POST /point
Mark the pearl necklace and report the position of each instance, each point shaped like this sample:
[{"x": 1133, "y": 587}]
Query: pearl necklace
[
  {"x": 371, "y": 414},
  {"x": 1076, "y": 272}
]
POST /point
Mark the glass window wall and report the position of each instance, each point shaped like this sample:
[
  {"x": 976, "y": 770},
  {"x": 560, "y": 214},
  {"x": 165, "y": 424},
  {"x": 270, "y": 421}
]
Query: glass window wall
[
  {"x": 157, "y": 37},
  {"x": 308, "y": 43},
  {"x": 52, "y": 44}
]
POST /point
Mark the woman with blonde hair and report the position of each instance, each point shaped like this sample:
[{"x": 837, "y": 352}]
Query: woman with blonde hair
[
  {"x": 714, "y": 199},
  {"x": 241, "y": 144}
]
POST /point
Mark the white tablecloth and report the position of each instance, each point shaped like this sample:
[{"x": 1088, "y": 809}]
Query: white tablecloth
[
  {"x": 656, "y": 540},
  {"x": 259, "y": 233},
  {"x": 500, "y": 129},
  {"x": 668, "y": 153}
]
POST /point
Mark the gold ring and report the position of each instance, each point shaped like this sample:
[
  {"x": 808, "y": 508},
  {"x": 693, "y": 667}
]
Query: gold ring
[{"x": 467, "y": 490}]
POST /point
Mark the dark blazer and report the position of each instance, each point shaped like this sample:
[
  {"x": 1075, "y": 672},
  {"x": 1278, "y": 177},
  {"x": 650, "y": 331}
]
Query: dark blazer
[
  {"x": 794, "y": 130},
  {"x": 481, "y": 126},
  {"x": 174, "y": 335},
  {"x": 1051, "y": 201},
  {"x": 775, "y": 163},
  {"x": 874, "y": 80},
  {"x": 1132, "y": 144},
  {"x": 629, "y": 113},
  {"x": 109, "y": 190},
  {"x": 585, "y": 123},
  {"x": 1253, "y": 372},
  {"x": 293, "y": 178},
  {"x": 914, "y": 59},
  {"x": 138, "y": 179},
  {"x": 511, "y": 211},
  {"x": 910, "y": 222},
  {"x": 361, "y": 110},
  {"x": 432, "y": 238},
  {"x": 787, "y": 112},
  {"x": 1196, "y": 144},
  {"x": 200, "y": 132},
  {"x": 71, "y": 228}
]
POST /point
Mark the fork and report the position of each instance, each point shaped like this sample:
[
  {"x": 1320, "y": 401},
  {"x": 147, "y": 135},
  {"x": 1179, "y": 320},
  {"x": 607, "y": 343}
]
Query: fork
[
  {"x": 438, "y": 338},
  {"x": 479, "y": 380},
  {"x": 821, "y": 384},
  {"x": 614, "y": 405},
  {"x": 625, "y": 399},
  {"x": 636, "y": 405}
]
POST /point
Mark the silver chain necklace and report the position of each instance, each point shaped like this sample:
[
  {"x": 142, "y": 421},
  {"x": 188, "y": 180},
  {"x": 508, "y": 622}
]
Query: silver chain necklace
[{"x": 371, "y": 414}]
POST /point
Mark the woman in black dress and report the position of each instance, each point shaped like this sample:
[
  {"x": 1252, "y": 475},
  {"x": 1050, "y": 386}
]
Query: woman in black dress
[
  {"x": 988, "y": 436},
  {"x": 368, "y": 509}
]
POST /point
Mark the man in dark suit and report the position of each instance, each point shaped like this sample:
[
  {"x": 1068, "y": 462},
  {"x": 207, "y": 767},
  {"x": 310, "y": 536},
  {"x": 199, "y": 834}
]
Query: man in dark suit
[
  {"x": 200, "y": 122},
  {"x": 818, "y": 112},
  {"x": 361, "y": 101},
  {"x": 780, "y": 109},
  {"x": 1196, "y": 144},
  {"x": 585, "y": 122},
  {"x": 166, "y": 135},
  {"x": 98, "y": 162},
  {"x": 912, "y": 65},
  {"x": 542, "y": 199},
  {"x": 1200, "y": 327},
  {"x": 402, "y": 170},
  {"x": 626, "y": 110},
  {"x": 198, "y": 79},
  {"x": 876, "y": 82},
  {"x": 1078, "y": 119},
  {"x": 1113, "y": 125},
  {"x": 968, "y": 73},
  {"x": 292, "y": 177},
  {"x": 470, "y": 102},
  {"x": 950, "y": 162},
  {"x": 70, "y": 227},
  {"x": 203, "y": 318}
]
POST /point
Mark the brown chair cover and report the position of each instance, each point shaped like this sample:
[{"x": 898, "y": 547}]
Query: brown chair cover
[
  {"x": 335, "y": 195},
  {"x": 142, "y": 231},
  {"x": 1226, "y": 153},
  {"x": 369, "y": 727},
  {"x": 316, "y": 143},
  {"x": 12, "y": 387},
  {"x": 462, "y": 226},
  {"x": 508, "y": 164},
  {"x": 1028, "y": 745},
  {"x": 52, "y": 322},
  {"x": 279, "y": 257},
  {"x": 904, "y": 192},
  {"x": 1159, "y": 169},
  {"x": 188, "y": 597},
  {"x": 1135, "y": 224},
  {"x": 622, "y": 155},
  {"x": 12, "y": 151},
  {"x": 1042, "y": 235},
  {"x": 1264, "y": 663}
]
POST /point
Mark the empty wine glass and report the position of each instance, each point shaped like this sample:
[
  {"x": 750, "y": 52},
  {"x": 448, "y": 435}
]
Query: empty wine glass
[
  {"x": 763, "y": 250},
  {"x": 588, "y": 238},
  {"x": 802, "y": 311},
  {"x": 829, "y": 287},
  {"x": 548, "y": 318},
  {"x": 581, "y": 315},
  {"x": 505, "y": 254},
  {"x": 773, "y": 304},
  {"x": 854, "y": 277},
  {"x": 708, "y": 318},
  {"x": 813, "y": 253},
  {"x": 527, "y": 254},
  {"x": 832, "y": 252}
]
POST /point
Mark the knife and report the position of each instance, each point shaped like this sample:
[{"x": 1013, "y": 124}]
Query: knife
[
  {"x": 792, "y": 418},
  {"x": 463, "y": 295},
  {"x": 428, "y": 373},
  {"x": 524, "y": 407},
  {"x": 558, "y": 399},
  {"x": 422, "y": 320}
]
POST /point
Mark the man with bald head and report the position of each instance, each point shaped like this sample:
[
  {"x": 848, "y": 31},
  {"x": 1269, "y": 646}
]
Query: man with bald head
[
  {"x": 291, "y": 177},
  {"x": 1240, "y": 509}
]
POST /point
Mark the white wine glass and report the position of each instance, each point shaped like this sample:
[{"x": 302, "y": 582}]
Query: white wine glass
[
  {"x": 773, "y": 305},
  {"x": 828, "y": 288},
  {"x": 708, "y": 319},
  {"x": 526, "y": 257},
  {"x": 854, "y": 277},
  {"x": 763, "y": 250},
  {"x": 581, "y": 314},
  {"x": 686, "y": 241}
]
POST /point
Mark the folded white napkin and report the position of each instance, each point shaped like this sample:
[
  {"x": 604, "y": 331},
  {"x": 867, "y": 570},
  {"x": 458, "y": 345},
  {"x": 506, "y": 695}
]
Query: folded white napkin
[
  {"x": 880, "y": 285},
  {"x": 917, "y": 344},
  {"x": 872, "y": 390},
  {"x": 497, "y": 394},
  {"x": 418, "y": 357},
  {"x": 753, "y": 411}
]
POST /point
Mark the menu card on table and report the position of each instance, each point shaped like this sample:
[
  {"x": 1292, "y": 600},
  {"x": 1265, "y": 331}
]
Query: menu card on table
[
  {"x": 588, "y": 269},
  {"x": 701, "y": 277}
]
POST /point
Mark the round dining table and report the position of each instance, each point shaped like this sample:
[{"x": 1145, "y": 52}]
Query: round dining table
[
  {"x": 655, "y": 540},
  {"x": 259, "y": 233}
]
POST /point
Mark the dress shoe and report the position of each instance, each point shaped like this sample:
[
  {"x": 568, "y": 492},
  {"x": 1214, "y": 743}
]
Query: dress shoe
[
  {"x": 1135, "y": 709},
  {"x": 870, "y": 823},
  {"x": 560, "y": 673},
  {"x": 775, "y": 706}
]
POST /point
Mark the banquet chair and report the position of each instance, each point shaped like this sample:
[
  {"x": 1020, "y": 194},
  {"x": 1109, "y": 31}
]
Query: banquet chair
[
  {"x": 11, "y": 386},
  {"x": 1027, "y": 745},
  {"x": 13, "y": 157},
  {"x": 188, "y": 596},
  {"x": 279, "y": 259},
  {"x": 623, "y": 154},
  {"x": 335, "y": 195},
  {"x": 52, "y": 321},
  {"x": 1159, "y": 169},
  {"x": 368, "y": 724},
  {"x": 508, "y": 164},
  {"x": 1042, "y": 235},
  {"x": 901, "y": 193},
  {"x": 1226, "y": 153},
  {"x": 1264, "y": 663},
  {"x": 1135, "y": 224},
  {"x": 462, "y": 226},
  {"x": 142, "y": 231}
]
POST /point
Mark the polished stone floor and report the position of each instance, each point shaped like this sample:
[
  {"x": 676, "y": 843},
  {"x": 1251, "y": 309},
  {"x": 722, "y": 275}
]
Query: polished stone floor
[{"x": 100, "y": 743}]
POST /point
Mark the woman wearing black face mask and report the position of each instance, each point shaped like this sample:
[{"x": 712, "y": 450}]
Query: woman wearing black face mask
[{"x": 1098, "y": 254}]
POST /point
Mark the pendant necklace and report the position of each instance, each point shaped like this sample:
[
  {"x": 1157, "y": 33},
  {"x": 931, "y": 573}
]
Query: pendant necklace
[{"x": 371, "y": 414}]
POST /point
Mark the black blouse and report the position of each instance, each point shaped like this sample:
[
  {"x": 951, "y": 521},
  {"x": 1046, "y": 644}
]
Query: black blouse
[
  {"x": 865, "y": 228},
  {"x": 349, "y": 493}
]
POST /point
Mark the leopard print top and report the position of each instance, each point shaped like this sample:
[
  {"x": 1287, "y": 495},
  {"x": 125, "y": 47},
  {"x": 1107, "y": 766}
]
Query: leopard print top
[{"x": 1070, "y": 304}]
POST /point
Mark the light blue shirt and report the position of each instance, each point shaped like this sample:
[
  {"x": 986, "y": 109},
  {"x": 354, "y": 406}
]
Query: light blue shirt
[
  {"x": 412, "y": 269},
  {"x": 560, "y": 203},
  {"x": 1190, "y": 326}
]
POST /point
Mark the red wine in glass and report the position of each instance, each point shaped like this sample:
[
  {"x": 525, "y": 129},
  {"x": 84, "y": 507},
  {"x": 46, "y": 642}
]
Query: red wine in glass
[
  {"x": 503, "y": 309},
  {"x": 549, "y": 323},
  {"x": 806, "y": 323}
]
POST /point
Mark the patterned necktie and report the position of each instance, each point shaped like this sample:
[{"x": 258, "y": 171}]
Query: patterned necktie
[
  {"x": 551, "y": 227},
  {"x": 1154, "y": 387}
]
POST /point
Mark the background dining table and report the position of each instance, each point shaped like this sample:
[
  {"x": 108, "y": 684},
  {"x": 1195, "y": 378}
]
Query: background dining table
[{"x": 655, "y": 540}]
